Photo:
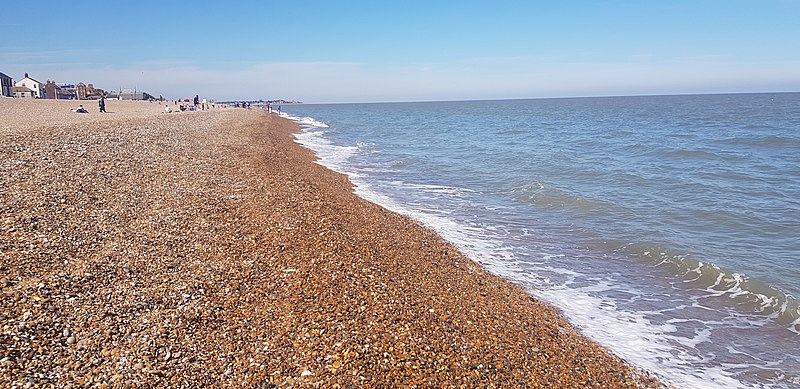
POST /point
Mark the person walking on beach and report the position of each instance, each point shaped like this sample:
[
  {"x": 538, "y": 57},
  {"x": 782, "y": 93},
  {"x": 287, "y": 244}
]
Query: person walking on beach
[
  {"x": 102, "y": 104},
  {"x": 196, "y": 101}
]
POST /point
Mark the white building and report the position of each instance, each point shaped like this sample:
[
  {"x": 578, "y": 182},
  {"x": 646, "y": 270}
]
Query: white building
[
  {"x": 36, "y": 86},
  {"x": 22, "y": 92}
]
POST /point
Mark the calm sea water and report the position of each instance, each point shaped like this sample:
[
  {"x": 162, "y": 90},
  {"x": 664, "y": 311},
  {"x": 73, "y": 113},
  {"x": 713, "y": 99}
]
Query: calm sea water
[{"x": 667, "y": 228}]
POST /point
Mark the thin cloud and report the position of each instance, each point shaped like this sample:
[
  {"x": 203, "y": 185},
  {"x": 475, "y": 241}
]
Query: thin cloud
[
  {"x": 50, "y": 58},
  {"x": 477, "y": 78}
]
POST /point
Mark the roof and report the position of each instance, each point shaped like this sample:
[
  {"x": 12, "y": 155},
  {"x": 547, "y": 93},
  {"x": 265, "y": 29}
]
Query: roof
[
  {"x": 3, "y": 75},
  {"x": 33, "y": 79}
]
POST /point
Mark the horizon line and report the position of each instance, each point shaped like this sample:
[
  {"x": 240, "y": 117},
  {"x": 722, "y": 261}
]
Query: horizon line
[{"x": 550, "y": 98}]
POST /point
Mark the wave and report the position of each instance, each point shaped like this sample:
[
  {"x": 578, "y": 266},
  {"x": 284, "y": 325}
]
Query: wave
[
  {"x": 729, "y": 288},
  {"x": 313, "y": 136},
  {"x": 305, "y": 121},
  {"x": 547, "y": 196},
  {"x": 771, "y": 141},
  {"x": 637, "y": 337},
  {"x": 688, "y": 154},
  {"x": 437, "y": 189}
]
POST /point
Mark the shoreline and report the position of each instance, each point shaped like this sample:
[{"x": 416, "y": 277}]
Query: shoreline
[{"x": 207, "y": 248}]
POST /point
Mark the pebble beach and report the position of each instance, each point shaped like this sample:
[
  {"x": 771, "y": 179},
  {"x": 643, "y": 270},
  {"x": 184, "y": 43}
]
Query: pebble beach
[{"x": 141, "y": 249}]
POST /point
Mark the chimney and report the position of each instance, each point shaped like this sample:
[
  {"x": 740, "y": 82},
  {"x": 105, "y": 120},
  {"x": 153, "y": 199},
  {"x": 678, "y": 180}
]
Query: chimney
[{"x": 26, "y": 75}]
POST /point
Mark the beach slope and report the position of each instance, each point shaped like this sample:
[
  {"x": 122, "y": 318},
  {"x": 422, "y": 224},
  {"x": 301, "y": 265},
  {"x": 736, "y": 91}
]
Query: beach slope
[{"x": 207, "y": 249}]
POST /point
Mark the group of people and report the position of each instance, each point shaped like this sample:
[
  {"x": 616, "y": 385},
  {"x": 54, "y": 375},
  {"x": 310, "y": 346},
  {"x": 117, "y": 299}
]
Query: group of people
[
  {"x": 268, "y": 108},
  {"x": 181, "y": 108},
  {"x": 200, "y": 105},
  {"x": 101, "y": 103},
  {"x": 197, "y": 104}
]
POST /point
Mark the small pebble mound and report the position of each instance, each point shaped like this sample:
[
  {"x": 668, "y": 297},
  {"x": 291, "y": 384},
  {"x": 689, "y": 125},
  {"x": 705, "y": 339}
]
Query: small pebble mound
[{"x": 140, "y": 249}]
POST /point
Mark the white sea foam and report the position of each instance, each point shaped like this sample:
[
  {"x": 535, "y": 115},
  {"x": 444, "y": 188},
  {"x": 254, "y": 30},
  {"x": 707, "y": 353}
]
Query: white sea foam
[
  {"x": 330, "y": 155},
  {"x": 311, "y": 122},
  {"x": 637, "y": 339}
]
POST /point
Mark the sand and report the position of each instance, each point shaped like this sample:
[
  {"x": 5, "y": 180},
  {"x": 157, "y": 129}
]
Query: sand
[{"x": 207, "y": 249}]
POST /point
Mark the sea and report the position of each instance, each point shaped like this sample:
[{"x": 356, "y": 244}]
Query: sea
[{"x": 666, "y": 228}]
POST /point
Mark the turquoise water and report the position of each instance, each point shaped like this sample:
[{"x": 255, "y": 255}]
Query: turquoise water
[{"x": 664, "y": 227}]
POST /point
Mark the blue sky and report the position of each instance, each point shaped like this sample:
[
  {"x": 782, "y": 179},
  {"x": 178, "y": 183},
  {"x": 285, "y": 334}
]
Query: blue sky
[{"x": 354, "y": 51}]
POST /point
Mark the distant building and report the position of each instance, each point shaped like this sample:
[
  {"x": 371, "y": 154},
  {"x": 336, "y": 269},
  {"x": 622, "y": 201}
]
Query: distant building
[
  {"x": 6, "y": 86},
  {"x": 22, "y": 92},
  {"x": 94, "y": 94},
  {"x": 36, "y": 86},
  {"x": 67, "y": 91},
  {"x": 80, "y": 91},
  {"x": 128, "y": 94},
  {"x": 51, "y": 90},
  {"x": 55, "y": 90}
]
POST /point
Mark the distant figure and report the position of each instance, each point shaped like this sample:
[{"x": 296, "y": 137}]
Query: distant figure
[
  {"x": 80, "y": 109},
  {"x": 196, "y": 100},
  {"x": 205, "y": 103},
  {"x": 102, "y": 104},
  {"x": 167, "y": 109}
]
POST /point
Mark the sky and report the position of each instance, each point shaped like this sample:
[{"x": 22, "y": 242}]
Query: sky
[{"x": 373, "y": 51}]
